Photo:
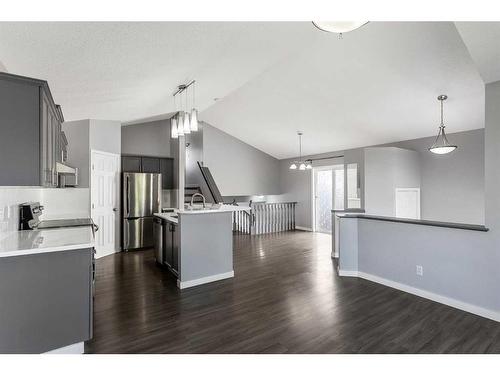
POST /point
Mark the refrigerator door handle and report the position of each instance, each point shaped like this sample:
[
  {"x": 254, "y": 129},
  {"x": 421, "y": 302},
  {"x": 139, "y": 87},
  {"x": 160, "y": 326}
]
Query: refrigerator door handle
[{"x": 127, "y": 212}]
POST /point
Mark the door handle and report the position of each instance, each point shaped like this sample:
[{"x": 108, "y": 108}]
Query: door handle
[
  {"x": 128, "y": 196},
  {"x": 115, "y": 209}
]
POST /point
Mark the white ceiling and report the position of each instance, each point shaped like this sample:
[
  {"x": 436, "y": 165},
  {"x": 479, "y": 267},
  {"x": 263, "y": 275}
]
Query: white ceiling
[
  {"x": 378, "y": 84},
  {"x": 126, "y": 71},
  {"x": 483, "y": 42}
]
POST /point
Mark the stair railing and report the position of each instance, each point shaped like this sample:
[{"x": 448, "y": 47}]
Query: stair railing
[{"x": 265, "y": 218}]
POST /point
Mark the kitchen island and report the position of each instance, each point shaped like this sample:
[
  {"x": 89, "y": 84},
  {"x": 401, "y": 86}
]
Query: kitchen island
[
  {"x": 197, "y": 244},
  {"x": 46, "y": 290}
]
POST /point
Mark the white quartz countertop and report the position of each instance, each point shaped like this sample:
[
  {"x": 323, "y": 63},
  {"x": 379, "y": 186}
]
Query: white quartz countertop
[
  {"x": 221, "y": 208},
  {"x": 173, "y": 216},
  {"x": 169, "y": 216},
  {"x": 26, "y": 242}
]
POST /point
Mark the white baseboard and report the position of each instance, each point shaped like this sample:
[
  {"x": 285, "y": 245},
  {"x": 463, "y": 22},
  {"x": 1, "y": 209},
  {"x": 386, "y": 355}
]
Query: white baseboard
[
  {"x": 204, "y": 280},
  {"x": 77, "y": 348},
  {"x": 303, "y": 228},
  {"x": 348, "y": 273},
  {"x": 473, "y": 309}
]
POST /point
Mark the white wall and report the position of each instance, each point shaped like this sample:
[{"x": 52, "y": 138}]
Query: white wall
[
  {"x": 237, "y": 168},
  {"x": 386, "y": 169}
]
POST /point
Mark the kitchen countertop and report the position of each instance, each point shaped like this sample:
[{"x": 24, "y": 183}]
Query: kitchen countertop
[
  {"x": 223, "y": 208},
  {"x": 26, "y": 242}
]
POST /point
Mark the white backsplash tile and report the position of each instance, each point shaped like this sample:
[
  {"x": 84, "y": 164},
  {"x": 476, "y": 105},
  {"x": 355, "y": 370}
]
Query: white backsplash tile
[{"x": 57, "y": 203}]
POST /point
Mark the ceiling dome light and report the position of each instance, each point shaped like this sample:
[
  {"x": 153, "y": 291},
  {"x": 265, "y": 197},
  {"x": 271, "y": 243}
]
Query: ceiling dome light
[
  {"x": 338, "y": 27},
  {"x": 441, "y": 144}
]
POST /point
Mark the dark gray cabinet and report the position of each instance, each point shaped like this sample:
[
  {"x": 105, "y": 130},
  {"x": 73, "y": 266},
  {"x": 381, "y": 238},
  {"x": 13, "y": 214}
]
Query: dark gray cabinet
[
  {"x": 175, "y": 248},
  {"x": 150, "y": 164},
  {"x": 171, "y": 246},
  {"x": 167, "y": 173},
  {"x": 46, "y": 300},
  {"x": 131, "y": 164},
  {"x": 30, "y": 132}
]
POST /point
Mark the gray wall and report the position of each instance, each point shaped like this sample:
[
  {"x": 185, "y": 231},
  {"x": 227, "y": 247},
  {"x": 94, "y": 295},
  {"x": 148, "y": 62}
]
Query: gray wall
[
  {"x": 492, "y": 174},
  {"x": 458, "y": 264},
  {"x": 152, "y": 139},
  {"x": 452, "y": 186},
  {"x": 86, "y": 135},
  {"x": 78, "y": 135},
  {"x": 237, "y": 168},
  {"x": 388, "y": 168},
  {"x": 105, "y": 136}
]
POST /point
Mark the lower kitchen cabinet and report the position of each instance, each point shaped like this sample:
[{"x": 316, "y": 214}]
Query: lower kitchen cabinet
[
  {"x": 46, "y": 300},
  {"x": 166, "y": 244}
]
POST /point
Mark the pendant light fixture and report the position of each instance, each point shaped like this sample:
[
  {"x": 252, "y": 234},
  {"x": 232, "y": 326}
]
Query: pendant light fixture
[
  {"x": 338, "y": 27},
  {"x": 441, "y": 144},
  {"x": 302, "y": 165},
  {"x": 184, "y": 121},
  {"x": 194, "y": 112},
  {"x": 173, "y": 123}
]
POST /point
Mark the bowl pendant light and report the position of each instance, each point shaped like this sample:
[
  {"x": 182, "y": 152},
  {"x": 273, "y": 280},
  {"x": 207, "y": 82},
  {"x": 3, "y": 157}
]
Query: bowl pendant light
[
  {"x": 293, "y": 166},
  {"x": 441, "y": 144},
  {"x": 338, "y": 27}
]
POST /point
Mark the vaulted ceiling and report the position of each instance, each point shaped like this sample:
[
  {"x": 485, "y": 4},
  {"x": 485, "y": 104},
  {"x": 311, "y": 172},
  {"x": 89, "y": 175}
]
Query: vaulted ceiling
[{"x": 377, "y": 84}]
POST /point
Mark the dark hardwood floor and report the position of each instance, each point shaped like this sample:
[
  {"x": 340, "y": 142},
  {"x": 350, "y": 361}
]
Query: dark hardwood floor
[{"x": 285, "y": 298}]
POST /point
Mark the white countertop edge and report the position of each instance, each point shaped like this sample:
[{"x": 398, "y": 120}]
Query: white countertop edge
[
  {"x": 14, "y": 253},
  {"x": 167, "y": 216}
]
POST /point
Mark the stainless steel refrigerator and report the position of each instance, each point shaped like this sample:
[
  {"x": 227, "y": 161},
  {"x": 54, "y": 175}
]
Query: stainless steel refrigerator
[{"x": 141, "y": 193}]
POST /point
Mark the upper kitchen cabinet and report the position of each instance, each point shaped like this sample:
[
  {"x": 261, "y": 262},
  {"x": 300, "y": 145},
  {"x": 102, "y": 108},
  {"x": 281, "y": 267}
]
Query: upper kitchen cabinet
[
  {"x": 131, "y": 164},
  {"x": 31, "y": 141},
  {"x": 150, "y": 164}
]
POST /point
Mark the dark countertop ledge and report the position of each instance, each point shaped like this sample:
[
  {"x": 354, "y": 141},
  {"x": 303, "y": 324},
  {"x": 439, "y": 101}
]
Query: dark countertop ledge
[{"x": 443, "y": 224}]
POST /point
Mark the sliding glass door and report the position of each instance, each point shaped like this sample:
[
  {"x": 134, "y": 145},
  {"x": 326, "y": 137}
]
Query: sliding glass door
[{"x": 328, "y": 193}]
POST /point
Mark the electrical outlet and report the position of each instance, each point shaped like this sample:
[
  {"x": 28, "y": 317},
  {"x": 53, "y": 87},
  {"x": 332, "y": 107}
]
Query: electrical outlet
[{"x": 420, "y": 271}]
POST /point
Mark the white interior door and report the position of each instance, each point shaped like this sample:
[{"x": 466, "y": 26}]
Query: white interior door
[
  {"x": 105, "y": 179},
  {"x": 408, "y": 203}
]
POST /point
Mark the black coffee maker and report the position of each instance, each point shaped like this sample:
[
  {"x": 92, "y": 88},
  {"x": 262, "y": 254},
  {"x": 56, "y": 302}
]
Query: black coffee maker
[{"x": 29, "y": 215}]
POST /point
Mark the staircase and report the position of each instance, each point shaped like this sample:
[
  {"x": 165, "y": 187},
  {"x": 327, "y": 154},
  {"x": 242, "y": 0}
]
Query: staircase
[{"x": 189, "y": 191}]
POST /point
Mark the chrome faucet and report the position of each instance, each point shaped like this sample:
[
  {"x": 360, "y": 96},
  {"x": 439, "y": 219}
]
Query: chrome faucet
[{"x": 199, "y": 195}]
